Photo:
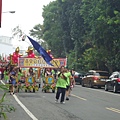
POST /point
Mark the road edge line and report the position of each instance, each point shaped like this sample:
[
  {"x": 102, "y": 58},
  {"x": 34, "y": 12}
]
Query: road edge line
[
  {"x": 25, "y": 109},
  {"x": 22, "y": 105}
]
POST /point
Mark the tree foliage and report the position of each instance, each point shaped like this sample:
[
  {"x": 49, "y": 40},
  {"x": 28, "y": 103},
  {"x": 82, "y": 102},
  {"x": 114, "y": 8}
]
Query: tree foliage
[{"x": 87, "y": 32}]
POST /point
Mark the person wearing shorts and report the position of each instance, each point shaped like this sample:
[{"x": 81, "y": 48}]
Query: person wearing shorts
[
  {"x": 12, "y": 81},
  {"x": 68, "y": 74}
]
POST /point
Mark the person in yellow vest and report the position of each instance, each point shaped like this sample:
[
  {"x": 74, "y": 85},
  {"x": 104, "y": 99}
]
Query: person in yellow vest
[
  {"x": 61, "y": 85},
  {"x": 53, "y": 74}
]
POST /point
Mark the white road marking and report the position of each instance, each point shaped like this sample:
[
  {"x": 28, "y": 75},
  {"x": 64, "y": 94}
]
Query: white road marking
[
  {"x": 78, "y": 97},
  {"x": 2, "y": 82},
  {"x": 113, "y": 109},
  {"x": 23, "y": 106},
  {"x": 107, "y": 92},
  {"x": 25, "y": 109}
]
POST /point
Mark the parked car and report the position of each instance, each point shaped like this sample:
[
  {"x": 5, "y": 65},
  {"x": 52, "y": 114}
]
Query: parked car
[
  {"x": 113, "y": 83},
  {"x": 78, "y": 77},
  {"x": 95, "y": 78}
]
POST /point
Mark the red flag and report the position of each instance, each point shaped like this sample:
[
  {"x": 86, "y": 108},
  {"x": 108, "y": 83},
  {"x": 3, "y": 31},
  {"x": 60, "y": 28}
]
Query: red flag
[{"x": 0, "y": 12}]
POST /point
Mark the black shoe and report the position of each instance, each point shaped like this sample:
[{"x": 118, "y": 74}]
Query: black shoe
[{"x": 67, "y": 98}]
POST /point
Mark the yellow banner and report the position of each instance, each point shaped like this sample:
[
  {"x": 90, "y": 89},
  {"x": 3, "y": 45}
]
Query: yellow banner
[
  {"x": 56, "y": 63},
  {"x": 40, "y": 62},
  {"x": 34, "y": 62}
]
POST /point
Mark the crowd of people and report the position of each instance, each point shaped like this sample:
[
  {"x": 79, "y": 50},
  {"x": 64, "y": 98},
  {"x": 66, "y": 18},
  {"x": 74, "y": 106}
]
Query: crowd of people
[
  {"x": 12, "y": 76},
  {"x": 64, "y": 84},
  {"x": 64, "y": 80}
]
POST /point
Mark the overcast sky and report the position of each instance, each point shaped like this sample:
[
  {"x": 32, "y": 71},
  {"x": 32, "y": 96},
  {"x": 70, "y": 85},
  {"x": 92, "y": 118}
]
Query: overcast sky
[{"x": 27, "y": 14}]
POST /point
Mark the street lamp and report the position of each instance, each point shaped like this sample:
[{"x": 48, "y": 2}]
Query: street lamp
[
  {"x": 12, "y": 12},
  {"x": 9, "y": 12}
]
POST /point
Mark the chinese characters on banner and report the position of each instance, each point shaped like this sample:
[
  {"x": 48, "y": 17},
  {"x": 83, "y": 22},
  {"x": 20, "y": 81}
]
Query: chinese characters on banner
[{"x": 40, "y": 62}]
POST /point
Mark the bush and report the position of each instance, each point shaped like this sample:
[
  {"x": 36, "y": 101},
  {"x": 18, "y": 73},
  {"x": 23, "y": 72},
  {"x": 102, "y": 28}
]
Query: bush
[{"x": 4, "y": 108}]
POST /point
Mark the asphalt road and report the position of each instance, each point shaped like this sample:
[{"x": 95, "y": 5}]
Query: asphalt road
[{"x": 84, "y": 104}]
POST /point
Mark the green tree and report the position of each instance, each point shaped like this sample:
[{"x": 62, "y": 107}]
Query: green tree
[
  {"x": 37, "y": 31},
  {"x": 103, "y": 27},
  {"x": 87, "y": 32}
]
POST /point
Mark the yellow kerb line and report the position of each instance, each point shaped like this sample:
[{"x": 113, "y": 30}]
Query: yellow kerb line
[
  {"x": 113, "y": 109},
  {"x": 78, "y": 97}
]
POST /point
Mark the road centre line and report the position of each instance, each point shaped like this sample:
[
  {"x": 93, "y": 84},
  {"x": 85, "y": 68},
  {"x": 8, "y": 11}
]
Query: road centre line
[
  {"x": 101, "y": 91},
  {"x": 78, "y": 97},
  {"x": 113, "y": 109},
  {"x": 23, "y": 106}
]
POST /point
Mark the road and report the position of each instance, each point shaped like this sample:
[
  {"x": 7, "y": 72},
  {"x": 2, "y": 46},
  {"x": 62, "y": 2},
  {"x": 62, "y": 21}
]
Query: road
[{"x": 84, "y": 104}]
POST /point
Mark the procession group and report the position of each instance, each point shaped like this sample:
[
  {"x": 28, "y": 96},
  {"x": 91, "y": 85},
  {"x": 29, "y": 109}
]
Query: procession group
[{"x": 64, "y": 79}]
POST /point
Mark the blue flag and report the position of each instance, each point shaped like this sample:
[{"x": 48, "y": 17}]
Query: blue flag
[{"x": 40, "y": 50}]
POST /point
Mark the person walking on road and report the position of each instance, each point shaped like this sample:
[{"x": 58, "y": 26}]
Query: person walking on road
[
  {"x": 20, "y": 74},
  {"x": 72, "y": 84},
  {"x": 68, "y": 74},
  {"x": 61, "y": 85},
  {"x": 12, "y": 81},
  {"x": 6, "y": 75}
]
